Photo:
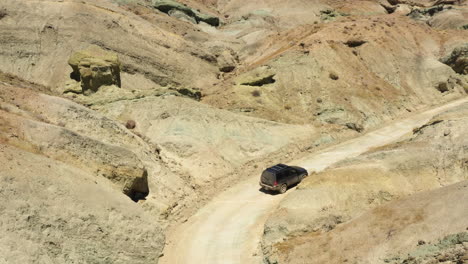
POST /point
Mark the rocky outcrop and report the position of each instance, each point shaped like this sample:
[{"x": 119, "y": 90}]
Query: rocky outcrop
[
  {"x": 258, "y": 77},
  {"x": 117, "y": 164},
  {"x": 54, "y": 128},
  {"x": 458, "y": 59},
  {"x": 451, "y": 249},
  {"x": 171, "y": 7},
  {"x": 95, "y": 67},
  {"x": 52, "y": 212},
  {"x": 442, "y": 15},
  {"x": 226, "y": 58}
]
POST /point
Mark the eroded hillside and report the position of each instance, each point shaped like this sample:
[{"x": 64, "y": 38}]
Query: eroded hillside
[
  {"x": 372, "y": 203},
  {"x": 119, "y": 118}
]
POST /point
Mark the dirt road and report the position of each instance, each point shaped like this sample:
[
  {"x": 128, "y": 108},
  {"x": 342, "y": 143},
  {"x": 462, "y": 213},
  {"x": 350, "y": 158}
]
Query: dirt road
[{"x": 229, "y": 228}]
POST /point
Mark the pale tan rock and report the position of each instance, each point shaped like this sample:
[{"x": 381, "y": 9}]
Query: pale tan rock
[{"x": 95, "y": 67}]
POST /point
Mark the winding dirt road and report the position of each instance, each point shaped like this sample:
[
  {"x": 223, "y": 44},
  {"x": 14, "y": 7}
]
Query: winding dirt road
[{"x": 229, "y": 228}]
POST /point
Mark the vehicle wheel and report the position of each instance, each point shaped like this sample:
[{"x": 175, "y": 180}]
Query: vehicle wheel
[{"x": 283, "y": 188}]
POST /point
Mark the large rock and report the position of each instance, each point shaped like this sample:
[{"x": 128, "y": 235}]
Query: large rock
[
  {"x": 458, "y": 59},
  {"x": 226, "y": 58},
  {"x": 95, "y": 67}
]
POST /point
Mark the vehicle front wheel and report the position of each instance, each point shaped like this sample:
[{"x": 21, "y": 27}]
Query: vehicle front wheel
[{"x": 283, "y": 188}]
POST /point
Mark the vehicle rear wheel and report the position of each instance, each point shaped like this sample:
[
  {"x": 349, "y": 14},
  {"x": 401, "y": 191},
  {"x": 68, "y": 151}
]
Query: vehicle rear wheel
[{"x": 283, "y": 188}]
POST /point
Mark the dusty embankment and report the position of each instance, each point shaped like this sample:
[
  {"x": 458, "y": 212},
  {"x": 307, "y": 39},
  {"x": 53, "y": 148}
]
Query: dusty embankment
[
  {"x": 68, "y": 179},
  {"x": 168, "y": 102},
  {"x": 315, "y": 223},
  {"x": 55, "y": 213},
  {"x": 228, "y": 229}
]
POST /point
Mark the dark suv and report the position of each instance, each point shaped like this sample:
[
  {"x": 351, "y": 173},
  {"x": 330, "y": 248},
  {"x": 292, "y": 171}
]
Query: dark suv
[{"x": 280, "y": 177}]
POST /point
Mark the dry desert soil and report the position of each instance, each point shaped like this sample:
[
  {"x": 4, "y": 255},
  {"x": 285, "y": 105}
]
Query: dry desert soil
[{"x": 136, "y": 131}]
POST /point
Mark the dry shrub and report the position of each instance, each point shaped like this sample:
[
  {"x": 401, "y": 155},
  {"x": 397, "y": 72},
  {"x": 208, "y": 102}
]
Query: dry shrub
[
  {"x": 256, "y": 93},
  {"x": 333, "y": 76}
]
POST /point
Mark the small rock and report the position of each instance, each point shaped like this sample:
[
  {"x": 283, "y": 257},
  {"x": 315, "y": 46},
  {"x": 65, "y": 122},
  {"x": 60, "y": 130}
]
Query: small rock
[
  {"x": 356, "y": 127},
  {"x": 442, "y": 87},
  {"x": 333, "y": 76},
  {"x": 353, "y": 43},
  {"x": 130, "y": 124}
]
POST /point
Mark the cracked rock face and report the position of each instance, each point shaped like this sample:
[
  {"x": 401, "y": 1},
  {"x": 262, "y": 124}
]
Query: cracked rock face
[{"x": 95, "y": 67}]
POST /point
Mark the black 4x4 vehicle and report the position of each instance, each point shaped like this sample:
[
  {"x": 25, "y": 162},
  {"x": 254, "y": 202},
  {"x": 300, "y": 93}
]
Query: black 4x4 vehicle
[{"x": 280, "y": 177}]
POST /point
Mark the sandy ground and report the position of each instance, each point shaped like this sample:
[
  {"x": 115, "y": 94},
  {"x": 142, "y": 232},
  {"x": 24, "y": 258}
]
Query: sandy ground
[{"x": 229, "y": 228}]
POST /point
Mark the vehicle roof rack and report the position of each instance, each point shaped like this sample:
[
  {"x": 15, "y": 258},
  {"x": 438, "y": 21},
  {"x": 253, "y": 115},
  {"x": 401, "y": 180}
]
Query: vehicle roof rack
[{"x": 278, "y": 167}]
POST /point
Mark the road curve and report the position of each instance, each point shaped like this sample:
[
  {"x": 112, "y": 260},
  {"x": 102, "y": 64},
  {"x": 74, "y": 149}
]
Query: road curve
[{"x": 229, "y": 228}]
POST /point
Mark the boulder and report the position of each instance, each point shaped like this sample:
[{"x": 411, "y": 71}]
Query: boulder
[
  {"x": 95, "y": 67},
  {"x": 458, "y": 59},
  {"x": 403, "y": 9},
  {"x": 258, "y": 77},
  {"x": 226, "y": 62},
  {"x": 226, "y": 58}
]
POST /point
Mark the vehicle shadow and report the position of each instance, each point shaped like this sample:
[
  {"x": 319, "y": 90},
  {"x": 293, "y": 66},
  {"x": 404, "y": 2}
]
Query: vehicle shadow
[
  {"x": 277, "y": 193},
  {"x": 268, "y": 192}
]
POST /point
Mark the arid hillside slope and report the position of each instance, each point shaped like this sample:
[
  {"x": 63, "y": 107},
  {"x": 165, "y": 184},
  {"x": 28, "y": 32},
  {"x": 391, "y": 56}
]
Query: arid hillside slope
[
  {"x": 119, "y": 118},
  {"x": 55, "y": 213},
  {"x": 349, "y": 66},
  {"x": 40, "y": 36},
  {"x": 318, "y": 229}
]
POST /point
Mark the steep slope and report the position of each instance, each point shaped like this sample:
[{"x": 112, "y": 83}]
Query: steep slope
[
  {"x": 362, "y": 69},
  {"x": 200, "y": 95},
  {"x": 40, "y": 36},
  {"x": 393, "y": 233},
  {"x": 433, "y": 157},
  {"x": 201, "y": 141},
  {"x": 54, "y": 213},
  {"x": 229, "y": 228}
]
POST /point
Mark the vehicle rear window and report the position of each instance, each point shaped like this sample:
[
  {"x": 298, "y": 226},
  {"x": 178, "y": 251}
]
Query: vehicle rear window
[{"x": 268, "y": 177}]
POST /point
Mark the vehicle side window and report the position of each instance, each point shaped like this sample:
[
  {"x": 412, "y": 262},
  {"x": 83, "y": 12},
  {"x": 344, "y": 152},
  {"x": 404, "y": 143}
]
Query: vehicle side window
[
  {"x": 280, "y": 176},
  {"x": 292, "y": 172}
]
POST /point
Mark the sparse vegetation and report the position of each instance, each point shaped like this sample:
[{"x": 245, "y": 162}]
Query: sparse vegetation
[
  {"x": 353, "y": 43},
  {"x": 3, "y": 13},
  {"x": 256, "y": 93},
  {"x": 333, "y": 76}
]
